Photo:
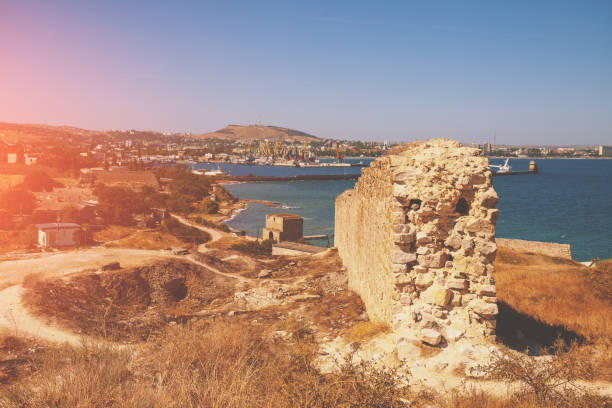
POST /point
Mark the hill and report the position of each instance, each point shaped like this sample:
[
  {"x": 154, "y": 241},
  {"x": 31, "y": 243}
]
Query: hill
[
  {"x": 34, "y": 133},
  {"x": 257, "y": 132}
]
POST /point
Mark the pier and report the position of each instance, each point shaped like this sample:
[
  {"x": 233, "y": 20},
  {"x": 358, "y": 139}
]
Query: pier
[{"x": 300, "y": 177}]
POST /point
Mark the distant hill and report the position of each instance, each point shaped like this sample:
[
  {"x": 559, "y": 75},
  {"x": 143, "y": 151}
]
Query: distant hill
[
  {"x": 35, "y": 133},
  {"x": 257, "y": 132},
  {"x": 31, "y": 133}
]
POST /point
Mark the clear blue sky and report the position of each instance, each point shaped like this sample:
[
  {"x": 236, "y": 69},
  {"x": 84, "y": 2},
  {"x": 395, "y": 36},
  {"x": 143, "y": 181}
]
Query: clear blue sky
[{"x": 534, "y": 71}]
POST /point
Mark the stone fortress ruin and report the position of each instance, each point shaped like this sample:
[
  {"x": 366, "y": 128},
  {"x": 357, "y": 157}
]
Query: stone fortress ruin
[{"x": 417, "y": 237}]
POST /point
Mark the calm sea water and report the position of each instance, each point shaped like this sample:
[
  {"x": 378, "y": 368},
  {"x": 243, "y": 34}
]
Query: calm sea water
[{"x": 568, "y": 201}]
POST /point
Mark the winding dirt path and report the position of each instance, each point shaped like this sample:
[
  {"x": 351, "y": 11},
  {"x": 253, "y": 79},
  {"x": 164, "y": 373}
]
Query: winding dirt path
[{"x": 15, "y": 318}]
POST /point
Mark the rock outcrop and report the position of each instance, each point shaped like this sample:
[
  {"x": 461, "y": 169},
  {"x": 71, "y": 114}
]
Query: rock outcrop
[{"x": 417, "y": 236}]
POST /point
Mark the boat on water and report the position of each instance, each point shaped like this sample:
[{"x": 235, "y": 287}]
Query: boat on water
[
  {"x": 359, "y": 164},
  {"x": 217, "y": 172},
  {"x": 502, "y": 168}
]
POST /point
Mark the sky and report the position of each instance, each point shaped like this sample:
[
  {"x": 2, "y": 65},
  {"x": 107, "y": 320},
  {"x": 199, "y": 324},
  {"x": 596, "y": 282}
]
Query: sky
[{"x": 532, "y": 72}]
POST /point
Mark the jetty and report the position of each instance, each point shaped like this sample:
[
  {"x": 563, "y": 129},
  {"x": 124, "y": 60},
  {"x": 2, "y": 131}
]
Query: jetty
[{"x": 299, "y": 177}]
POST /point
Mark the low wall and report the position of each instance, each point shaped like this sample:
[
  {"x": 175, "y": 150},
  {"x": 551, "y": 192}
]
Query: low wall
[{"x": 537, "y": 247}]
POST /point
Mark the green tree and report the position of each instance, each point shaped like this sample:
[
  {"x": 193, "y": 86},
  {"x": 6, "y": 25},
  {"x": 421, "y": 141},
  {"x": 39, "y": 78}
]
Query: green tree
[
  {"x": 208, "y": 206},
  {"x": 17, "y": 201},
  {"x": 38, "y": 180}
]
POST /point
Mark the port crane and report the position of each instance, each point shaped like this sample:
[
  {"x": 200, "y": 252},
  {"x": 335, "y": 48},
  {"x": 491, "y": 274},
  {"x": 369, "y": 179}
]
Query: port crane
[{"x": 338, "y": 154}]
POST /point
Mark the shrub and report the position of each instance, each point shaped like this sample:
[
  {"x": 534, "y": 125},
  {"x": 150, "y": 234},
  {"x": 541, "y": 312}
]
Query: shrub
[
  {"x": 184, "y": 232},
  {"x": 551, "y": 380},
  {"x": 37, "y": 180},
  {"x": 208, "y": 206}
]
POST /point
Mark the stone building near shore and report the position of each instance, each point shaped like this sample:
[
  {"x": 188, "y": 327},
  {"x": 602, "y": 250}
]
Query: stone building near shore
[
  {"x": 284, "y": 227},
  {"x": 417, "y": 236}
]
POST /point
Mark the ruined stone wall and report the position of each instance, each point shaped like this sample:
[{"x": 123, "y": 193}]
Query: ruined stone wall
[
  {"x": 364, "y": 238},
  {"x": 417, "y": 237},
  {"x": 537, "y": 247}
]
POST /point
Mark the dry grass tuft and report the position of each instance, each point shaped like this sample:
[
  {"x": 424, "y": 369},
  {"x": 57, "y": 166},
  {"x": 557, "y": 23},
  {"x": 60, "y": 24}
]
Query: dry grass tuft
[
  {"x": 147, "y": 240},
  {"x": 113, "y": 233},
  {"x": 364, "y": 331},
  {"x": 554, "y": 291}
]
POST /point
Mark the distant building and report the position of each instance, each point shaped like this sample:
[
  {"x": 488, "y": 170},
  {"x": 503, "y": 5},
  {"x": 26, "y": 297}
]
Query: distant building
[
  {"x": 486, "y": 148},
  {"x": 605, "y": 151},
  {"x": 284, "y": 227},
  {"x": 11, "y": 158},
  {"x": 30, "y": 159},
  {"x": 58, "y": 234}
]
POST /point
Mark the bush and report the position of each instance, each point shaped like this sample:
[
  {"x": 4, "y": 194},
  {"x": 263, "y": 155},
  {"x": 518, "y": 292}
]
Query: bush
[
  {"x": 221, "y": 227},
  {"x": 551, "y": 380},
  {"x": 184, "y": 232},
  {"x": 17, "y": 201},
  {"x": 208, "y": 206},
  {"x": 38, "y": 180},
  {"x": 255, "y": 247}
]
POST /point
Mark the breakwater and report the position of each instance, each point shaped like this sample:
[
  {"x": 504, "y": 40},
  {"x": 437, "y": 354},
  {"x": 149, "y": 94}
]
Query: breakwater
[{"x": 299, "y": 177}]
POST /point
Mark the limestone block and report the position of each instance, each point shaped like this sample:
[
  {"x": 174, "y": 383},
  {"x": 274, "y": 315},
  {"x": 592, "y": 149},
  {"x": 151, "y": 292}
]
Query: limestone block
[
  {"x": 420, "y": 269},
  {"x": 487, "y": 290},
  {"x": 401, "y": 257},
  {"x": 484, "y": 309},
  {"x": 486, "y": 247},
  {"x": 457, "y": 284},
  {"x": 480, "y": 225},
  {"x": 456, "y": 299},
  {"x": 489, "y": 198},
  {"x": 423, "y": 238},
  {"x": 436, "y": 260},
  {"x": 423, "y": 250},
  {"x": 493, "y": 215},
  {"x": 404, "y": 229},
  {"x": 453, "y": 334},
  {"x": 453, "y": 241},
  {"x": 403, "y": 239},
  {"x": 424, "y": 280},
  {"x": 402, "y": 279},
  {"x": 438, "y": 296},
  {"x": 431, "y": 337}
]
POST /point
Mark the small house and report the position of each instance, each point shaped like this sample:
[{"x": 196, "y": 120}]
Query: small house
[
  {"x": 284, "y": 227},
  {"x": 58, "y": 234}
]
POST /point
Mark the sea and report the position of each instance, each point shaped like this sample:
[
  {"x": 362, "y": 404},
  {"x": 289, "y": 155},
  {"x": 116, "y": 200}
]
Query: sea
[{"x": 567, "y": 201}]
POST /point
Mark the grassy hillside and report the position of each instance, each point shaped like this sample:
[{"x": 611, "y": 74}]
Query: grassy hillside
[{"x": 256, "y": 132}]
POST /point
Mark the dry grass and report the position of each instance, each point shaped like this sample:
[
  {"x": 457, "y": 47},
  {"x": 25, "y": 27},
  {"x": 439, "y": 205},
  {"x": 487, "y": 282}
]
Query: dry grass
[
  {"x": 364, "y": 331},
  {"x": 147, "y": 240},
  {"x": 10, "y": 180},
  {"x": 15, "y": 241},
  {"x": 552, "y": 297},
  {"x": 554, "y": 291},
  {"x": 113, "y": 233},
  {"x": 220, "y": 365}
]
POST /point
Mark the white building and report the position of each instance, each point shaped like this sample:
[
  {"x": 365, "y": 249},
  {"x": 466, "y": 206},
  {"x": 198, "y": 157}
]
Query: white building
[
  {"x": 11, "y": 158},
  {"x": 57, "y": 234},
  {"x": 605, "y": 150},
  {"x": 30, "y": 159}
]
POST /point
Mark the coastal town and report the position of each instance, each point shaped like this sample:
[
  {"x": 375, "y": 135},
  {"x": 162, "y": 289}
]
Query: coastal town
[{"x": 305, "y": 204}]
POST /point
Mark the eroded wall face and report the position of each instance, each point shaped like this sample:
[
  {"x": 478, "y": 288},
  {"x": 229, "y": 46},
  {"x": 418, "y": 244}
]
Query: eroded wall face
[
  {"x": 363, "y": 236},
  {"x": 417, "y": 237}
]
